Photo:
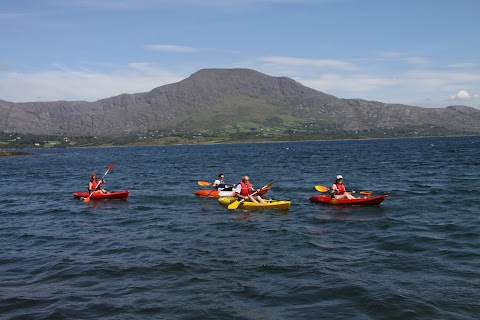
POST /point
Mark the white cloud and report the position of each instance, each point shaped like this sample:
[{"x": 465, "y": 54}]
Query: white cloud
[
  {"x": 424, "y": 88},
  {"x": 79, "y": 84},
  {"x": 321, "y": 63},
  {"x": 408, "y": 83},
  {"x": 138, "y": 4},
  {"x": 170, "y": 48},
  {"x": 464, "y": 65},
  {"x": 11, "y": 15},
  {"x": 406, "y": 58},
  {"x": 417, "y": 87},
  {"x": 355, "y": 84},
  {"x": 461, "y": 95},
  {"x": 446, "y": 77}
]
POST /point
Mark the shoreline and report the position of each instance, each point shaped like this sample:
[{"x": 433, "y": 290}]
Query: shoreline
[
  {"x": 15, "y": 154},
  {"x": 9, "y": 153}
]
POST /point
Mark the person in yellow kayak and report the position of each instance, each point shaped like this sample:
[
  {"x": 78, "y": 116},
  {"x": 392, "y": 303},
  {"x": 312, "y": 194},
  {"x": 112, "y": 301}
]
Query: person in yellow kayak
[
  {"x": 94, "y": 185},
  {"x": 338, "y": 190},
  {"x": 244, "y": 191},
  {"x": 220, "y": 185}
]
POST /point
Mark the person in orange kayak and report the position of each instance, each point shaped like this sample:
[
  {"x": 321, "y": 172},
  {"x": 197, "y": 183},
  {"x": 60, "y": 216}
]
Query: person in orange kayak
[
  {"x": 220, "y": 185},
  {"x": 94, "y": 184},
  {"x": 338, "y": 190},
  {"x": 244, "y": 191}
]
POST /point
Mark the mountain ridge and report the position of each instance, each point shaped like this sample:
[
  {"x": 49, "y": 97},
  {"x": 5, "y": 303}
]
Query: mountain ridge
[{"x": 227, "y": 99}]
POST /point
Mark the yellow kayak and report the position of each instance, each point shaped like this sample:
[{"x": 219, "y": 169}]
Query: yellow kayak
[{"x": 269, "y": 204}]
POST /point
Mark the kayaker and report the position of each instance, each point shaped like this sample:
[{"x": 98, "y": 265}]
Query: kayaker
[
  {"x": 244, "y": 191},
  {"x": 338, "y": 190},
  {"x": 94, "y": 184},
  {"x": 220, "y": 185}
]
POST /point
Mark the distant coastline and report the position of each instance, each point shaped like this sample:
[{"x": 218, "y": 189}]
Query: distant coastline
[
  {"x": 189, "y": 142},
  {"x": 14, "y": 154}
]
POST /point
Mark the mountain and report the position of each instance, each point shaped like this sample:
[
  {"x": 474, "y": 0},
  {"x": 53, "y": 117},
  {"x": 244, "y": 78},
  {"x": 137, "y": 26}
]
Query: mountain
[{"x": 231, "y": 99}]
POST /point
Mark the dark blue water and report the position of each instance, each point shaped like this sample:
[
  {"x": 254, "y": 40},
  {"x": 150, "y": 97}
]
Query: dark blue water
[{"x": 166, "y": 254}]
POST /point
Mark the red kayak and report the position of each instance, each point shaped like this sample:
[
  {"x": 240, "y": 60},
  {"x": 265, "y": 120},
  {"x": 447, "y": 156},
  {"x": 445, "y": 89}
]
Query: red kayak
[
  {"x": 117, "y": 195},
  {"x": 368, "y": 201},
  {"x": 216, "y": 193}
]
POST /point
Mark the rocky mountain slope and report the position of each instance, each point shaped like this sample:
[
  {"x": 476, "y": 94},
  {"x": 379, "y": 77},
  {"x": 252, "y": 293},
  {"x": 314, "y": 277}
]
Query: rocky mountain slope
[{"x": 213, "y": 99}]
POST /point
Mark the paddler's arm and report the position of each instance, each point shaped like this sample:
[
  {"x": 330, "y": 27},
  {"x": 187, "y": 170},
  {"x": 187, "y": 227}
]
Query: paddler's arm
[{"x": 333, "y": 190}]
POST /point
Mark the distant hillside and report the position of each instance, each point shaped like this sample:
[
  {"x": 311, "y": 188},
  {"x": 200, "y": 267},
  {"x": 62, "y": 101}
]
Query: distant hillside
[{"x": 231, "y": 100}]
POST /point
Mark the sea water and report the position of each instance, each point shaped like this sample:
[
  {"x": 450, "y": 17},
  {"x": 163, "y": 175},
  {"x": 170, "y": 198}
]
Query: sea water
[{"x": 167, "y": 254}]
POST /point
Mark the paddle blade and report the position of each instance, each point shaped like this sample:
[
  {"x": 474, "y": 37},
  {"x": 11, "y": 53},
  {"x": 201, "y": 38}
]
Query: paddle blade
[
  {"x": 203, "y": 183},
  {"x": 321, "y": 188},
  {"x": 268, "y": 184},
  {"x": 110, "y": 168},
  {"x": 87, "y": 199},
  {"x": 234, "y": 205},
  {"x": 366, "y": 193}
]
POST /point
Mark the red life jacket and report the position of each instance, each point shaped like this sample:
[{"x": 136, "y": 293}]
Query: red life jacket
[
  {"x": 246, "y": 189},
  {"x": 340, "y": 188},
  {"x": 95, "y": 185}
]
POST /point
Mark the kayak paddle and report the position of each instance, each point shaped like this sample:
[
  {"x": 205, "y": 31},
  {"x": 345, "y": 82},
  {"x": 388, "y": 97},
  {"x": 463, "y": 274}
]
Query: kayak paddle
[
  {"x": 87, "y": 199},
  {"x": 203, "y": 183},
  {"x": 325, "y": 189},
  {"x": 366, "y": 193},
  {"x": 236, "y": 203},
  {"x": 321, "y": 188}
]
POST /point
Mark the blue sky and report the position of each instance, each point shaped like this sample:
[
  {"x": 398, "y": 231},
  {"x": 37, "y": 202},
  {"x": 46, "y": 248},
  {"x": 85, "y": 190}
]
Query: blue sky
[{"x": 417, "y": 52}]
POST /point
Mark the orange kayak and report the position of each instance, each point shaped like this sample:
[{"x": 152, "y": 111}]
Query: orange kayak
[{"x": 215, "y": 193}]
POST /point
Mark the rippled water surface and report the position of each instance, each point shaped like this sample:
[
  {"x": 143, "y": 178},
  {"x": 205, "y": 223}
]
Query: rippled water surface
[{"x": 166, "y": 254}]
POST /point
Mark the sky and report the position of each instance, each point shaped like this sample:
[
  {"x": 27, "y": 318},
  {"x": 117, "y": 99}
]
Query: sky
[{"x": 417, "y": 52}]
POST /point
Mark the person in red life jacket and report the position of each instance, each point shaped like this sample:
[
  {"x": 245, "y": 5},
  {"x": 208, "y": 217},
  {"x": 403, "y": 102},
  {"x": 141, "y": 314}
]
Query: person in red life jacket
[
  {"x": 338, "y": 190},
  {"x": 94, "y": 185},
  {"x": 244, "y": 191}
]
